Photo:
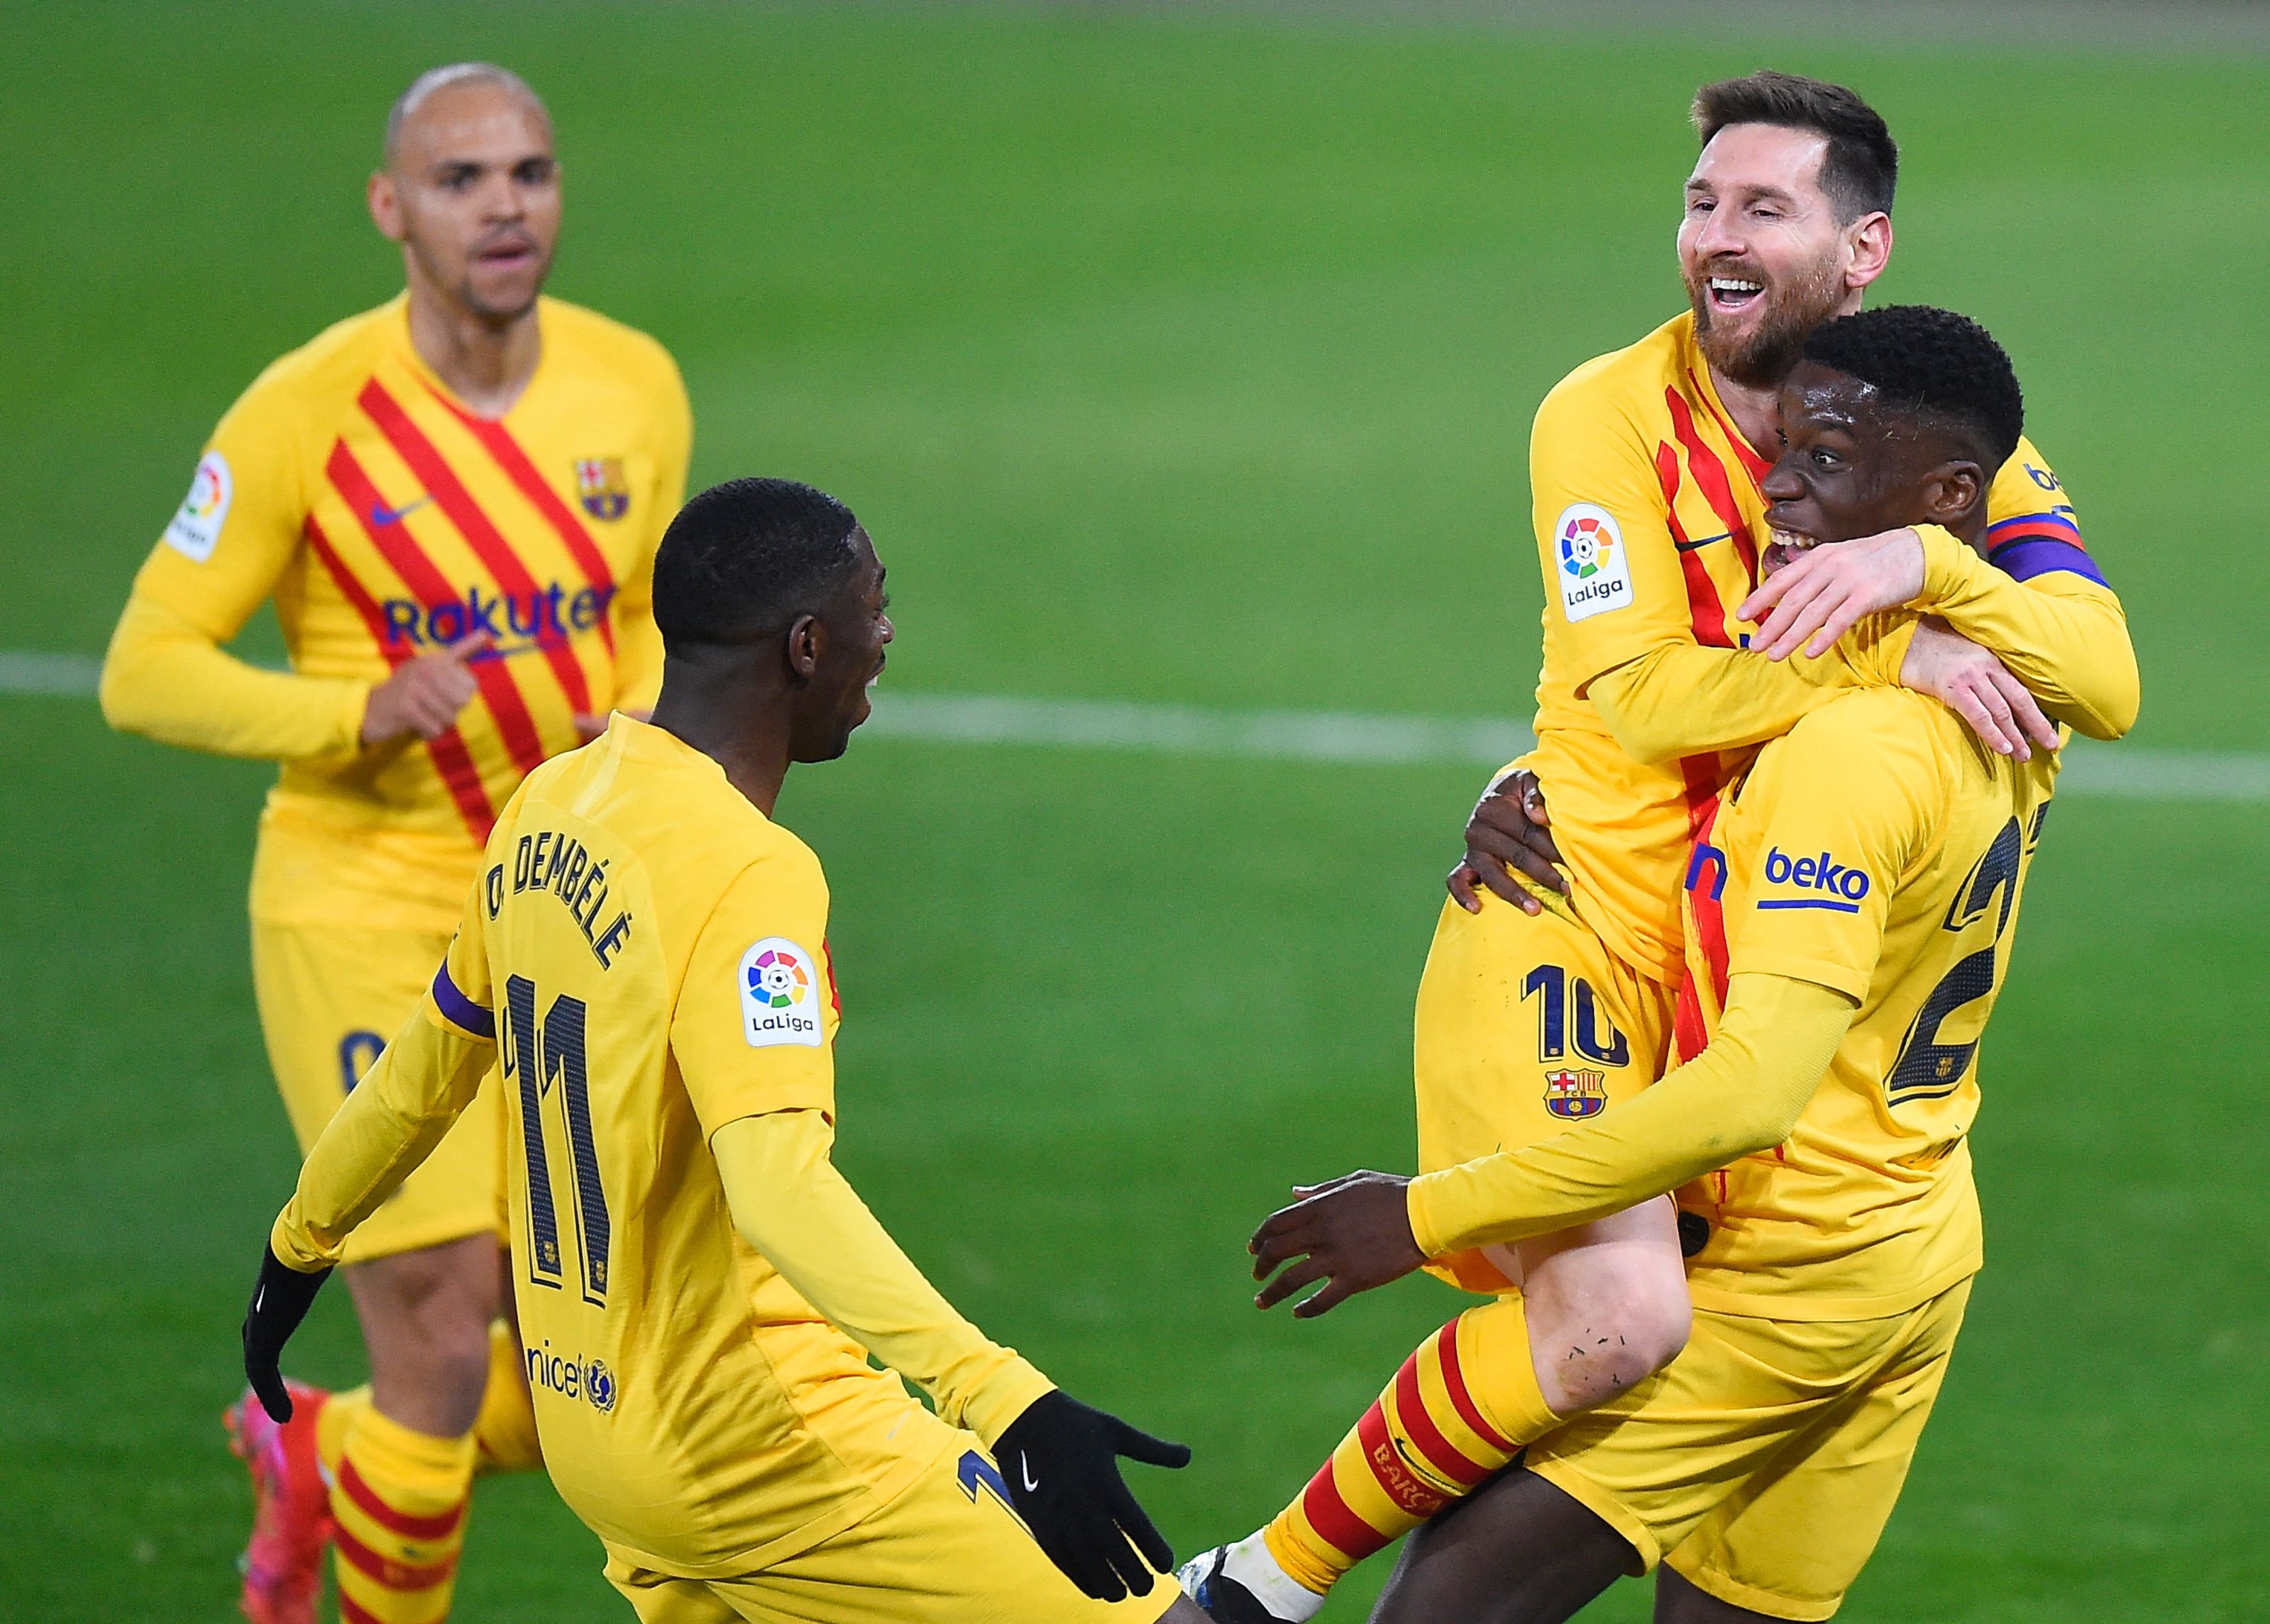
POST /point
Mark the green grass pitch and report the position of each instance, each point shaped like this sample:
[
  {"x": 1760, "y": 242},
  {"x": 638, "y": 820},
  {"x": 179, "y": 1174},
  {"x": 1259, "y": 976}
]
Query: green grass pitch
[{"x": 1177, "y": 359}]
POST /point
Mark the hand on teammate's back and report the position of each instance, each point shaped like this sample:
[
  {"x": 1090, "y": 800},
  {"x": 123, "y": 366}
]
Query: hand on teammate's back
[
  {"x": 1060, "y": 1460},
  {"x": 425, "y": 695},
  {"x": 1823, "y": 592},
  {"x": 1508, "y": 831},
  {"x": 1352, "y": 1234},
  {"x": 1978, "y": 688},
  {"x": 280, "y": 1300}
]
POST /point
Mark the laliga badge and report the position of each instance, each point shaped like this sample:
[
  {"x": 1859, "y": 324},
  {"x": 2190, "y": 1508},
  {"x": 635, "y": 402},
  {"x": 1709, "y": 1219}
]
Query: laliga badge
[
  {"x": 780, "y": 995},
  {"x": 1595, "y": 572},
  {"x": 195, "y": 527}
]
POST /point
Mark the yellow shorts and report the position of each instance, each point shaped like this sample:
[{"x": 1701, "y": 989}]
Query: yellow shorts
[
  {"x": 1763, "y": 1464},
  {"x": 947, "y": 1550},
  {"x": 1526, "y": 1026},
  {"x": 329, "y": 999}
]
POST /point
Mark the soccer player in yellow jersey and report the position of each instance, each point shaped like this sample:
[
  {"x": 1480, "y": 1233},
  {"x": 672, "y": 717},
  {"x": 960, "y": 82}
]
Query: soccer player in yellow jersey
[
  {"x": 1851, "y": 903},
  {"x": 453, "y": 501},
  {"x": 1662, "y": 671},
  {"x": 644, "y": 954}
]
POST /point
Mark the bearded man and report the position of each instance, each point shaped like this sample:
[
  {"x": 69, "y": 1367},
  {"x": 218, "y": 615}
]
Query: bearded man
[{"x": 1666, "y": 665}]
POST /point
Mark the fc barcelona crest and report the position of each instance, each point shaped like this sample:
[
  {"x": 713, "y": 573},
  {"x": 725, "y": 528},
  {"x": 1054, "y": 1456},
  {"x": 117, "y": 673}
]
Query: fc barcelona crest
[
  {"x": 599, "y": 481},
  {"x": 1576, "y": 1094}
]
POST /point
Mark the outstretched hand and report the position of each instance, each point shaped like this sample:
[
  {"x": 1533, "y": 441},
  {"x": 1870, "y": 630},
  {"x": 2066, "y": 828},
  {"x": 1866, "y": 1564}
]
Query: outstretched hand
[
  {"x": 1508, "y": 832},
  {"x": 1352, "y": 1234},
  {"x": 1060, "y": 1461}
]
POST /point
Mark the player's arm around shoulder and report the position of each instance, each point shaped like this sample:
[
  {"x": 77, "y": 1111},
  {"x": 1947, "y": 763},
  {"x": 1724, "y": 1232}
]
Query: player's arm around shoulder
[{"x": 2078, "y": 639}]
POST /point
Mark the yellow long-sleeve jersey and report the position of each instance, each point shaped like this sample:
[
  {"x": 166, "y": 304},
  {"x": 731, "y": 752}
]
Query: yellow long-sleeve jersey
[
  {"x": 644, "y": 956},
  {"x": 385, "y": 520},
  {"x": 1851, "y": 906},
  {"x": 1649, "y": 523}
]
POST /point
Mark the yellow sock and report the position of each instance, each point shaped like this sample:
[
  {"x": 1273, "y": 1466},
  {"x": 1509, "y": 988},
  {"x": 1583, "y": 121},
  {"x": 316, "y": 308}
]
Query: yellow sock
[
  {"x": 1460, "y": 1409},
  {"x": 398, "y": 1504},
  {"x": 505, "y": 1430},
  {"x": 331, "y": 1425}
]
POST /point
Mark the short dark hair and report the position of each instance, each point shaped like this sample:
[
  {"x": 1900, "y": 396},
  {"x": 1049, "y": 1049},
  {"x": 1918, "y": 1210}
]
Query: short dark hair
[
  {"x": 746, "y": 558},
  {"x": 1932, "y": 365},
  {"x": 1861, "y": 169}
]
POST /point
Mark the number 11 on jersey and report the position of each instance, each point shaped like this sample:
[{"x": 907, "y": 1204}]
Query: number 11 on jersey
[{"x": 535, "y": 1056}]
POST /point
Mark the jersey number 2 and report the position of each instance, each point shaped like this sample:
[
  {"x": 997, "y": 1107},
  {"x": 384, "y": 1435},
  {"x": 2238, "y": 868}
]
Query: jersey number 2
[
  {"x": 535, "y": 1057},
  {"x": 1928, "y": 1069}
]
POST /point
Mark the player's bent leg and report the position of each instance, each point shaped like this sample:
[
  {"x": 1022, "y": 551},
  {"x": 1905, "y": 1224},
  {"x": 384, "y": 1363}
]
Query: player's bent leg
[
  {"x": 1460, "y": 1409},
  {"x": 1607, "y": 1304},
  {"x": 328, "y": 998},
  {"x": 1524, "y": 1024},
  {"x": 404, "y": 1466},
  {"x": 1518, "y": 1552},
  {"x": 426, "y": 1317}
]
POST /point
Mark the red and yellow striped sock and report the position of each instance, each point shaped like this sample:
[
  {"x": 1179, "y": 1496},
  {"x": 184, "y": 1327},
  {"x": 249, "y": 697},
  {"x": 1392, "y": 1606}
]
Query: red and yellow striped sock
[
  {"x": 399, "y": 1509},
  {"x": 505, "y": 1430},
  {"x": 1461, "y": 1408}
]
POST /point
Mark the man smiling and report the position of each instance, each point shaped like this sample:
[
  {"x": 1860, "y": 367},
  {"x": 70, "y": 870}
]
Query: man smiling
[
  {"x": 453, "y": 501},
  {"x": 1851, "y": 902},
  {"x": 1645, "y": 470}
]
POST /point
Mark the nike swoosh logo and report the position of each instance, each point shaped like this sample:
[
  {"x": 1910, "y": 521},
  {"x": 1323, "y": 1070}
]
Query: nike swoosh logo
[
  {"x": 1689, "y": 546},
  {"x": 382, "y": 515},
  {"x": 1025, "y": 1470}
]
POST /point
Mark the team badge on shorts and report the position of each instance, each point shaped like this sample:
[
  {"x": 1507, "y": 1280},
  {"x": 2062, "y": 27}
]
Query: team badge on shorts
[
  {"x": 599, "y": 481},
  {"x": 1576, "y": 1094}
]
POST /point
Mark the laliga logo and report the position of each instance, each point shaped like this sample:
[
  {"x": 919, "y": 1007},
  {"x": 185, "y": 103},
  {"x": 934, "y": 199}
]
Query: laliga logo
[
  {"x": 206, "y": 490},
  {"x": 776, "y": 980},
  {"x": 779, "y": 1002},
  {"x": 1587, "y": 545},
  {"x": 1815, "y": 873}
]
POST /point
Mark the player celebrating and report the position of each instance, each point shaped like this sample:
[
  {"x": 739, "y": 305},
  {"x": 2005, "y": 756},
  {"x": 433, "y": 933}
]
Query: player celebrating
[
  {"x": 1851, "y": 905},
  {"x": 699, "y": 1289},
  {"x": 1644, "y": 468},
  {"x": 453, "y": 501}
]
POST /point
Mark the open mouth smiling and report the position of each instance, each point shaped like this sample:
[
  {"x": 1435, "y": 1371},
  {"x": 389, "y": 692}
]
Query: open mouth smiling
[
  {"x": 1784, "y": 548},
  {"x": 1732, "y": 293}
]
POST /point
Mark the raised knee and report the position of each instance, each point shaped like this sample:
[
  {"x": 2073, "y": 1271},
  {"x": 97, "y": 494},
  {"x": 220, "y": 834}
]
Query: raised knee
[
  {"x": 1620, "y": 1337},
  {"x": 1655, "y": 1327}
]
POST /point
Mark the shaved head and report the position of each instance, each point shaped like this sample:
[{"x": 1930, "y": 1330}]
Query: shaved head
[{"x": 406, "y": 105}]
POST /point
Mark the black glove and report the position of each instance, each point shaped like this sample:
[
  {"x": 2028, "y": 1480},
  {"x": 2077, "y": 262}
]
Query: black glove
[
  {"x": 1059, "y": 1460},
  {"x": 280, "y": 1301}
]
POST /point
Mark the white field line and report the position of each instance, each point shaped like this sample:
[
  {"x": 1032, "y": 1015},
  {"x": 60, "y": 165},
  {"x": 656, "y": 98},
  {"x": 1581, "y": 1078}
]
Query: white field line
[{"x": 2124, "y": 771}]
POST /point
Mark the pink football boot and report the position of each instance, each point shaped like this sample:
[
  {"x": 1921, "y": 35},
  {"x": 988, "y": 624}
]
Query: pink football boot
[{"x": 283, "y": 1564}]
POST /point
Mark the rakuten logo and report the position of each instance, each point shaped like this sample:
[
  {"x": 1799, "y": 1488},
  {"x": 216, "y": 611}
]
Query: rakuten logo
[{"x": 507, "y": 617}]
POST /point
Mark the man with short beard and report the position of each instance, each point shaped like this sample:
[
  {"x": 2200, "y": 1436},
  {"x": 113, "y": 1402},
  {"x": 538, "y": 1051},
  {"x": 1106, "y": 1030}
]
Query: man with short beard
[
  {"x": 1535, "y": 1013},
  {"x": 453, "y": 501}
]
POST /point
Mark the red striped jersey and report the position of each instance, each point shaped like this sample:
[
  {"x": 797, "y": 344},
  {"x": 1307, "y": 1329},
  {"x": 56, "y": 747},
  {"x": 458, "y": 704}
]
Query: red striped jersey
[
  {"x": 1649, "y": 525},
  {"x": 386, "y": 520}
]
